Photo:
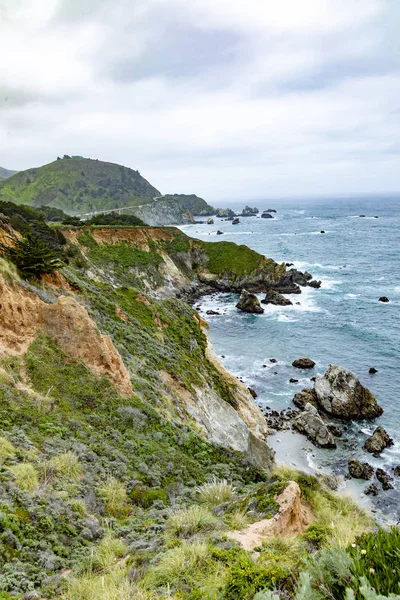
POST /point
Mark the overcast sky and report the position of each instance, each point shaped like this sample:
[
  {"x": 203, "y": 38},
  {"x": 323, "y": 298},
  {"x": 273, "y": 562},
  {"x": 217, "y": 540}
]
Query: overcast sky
[{"x": 223, "y": 98}]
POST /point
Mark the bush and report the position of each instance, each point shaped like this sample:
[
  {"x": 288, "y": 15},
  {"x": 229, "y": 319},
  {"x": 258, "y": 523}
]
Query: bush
[
  {"x": 245, "y": 579},
  {"x": 376, "y": 557},
  {"x": 328, "y": 573},
  {"x": 32, "y": 255},
  {"x": 115, "y": 497},
  {"x": 189, "y": 521},
  {"x": 146, "y": 497},
  {"x": 316, "y": 535},
  {"x": 67, "y": 464},
  {"x": 215, "y": 492},
  {"x": 25, "y": 476},
  {"x": 181, "y": 565}
]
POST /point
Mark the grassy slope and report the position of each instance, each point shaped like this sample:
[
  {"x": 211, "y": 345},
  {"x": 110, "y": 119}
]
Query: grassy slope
[{"x": 78, "y": 185}]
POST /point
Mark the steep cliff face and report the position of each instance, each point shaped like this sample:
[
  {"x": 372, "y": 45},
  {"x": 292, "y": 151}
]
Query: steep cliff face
[
  {"x": 164, "y": 261},
  {"x": 164, "y": 212}
]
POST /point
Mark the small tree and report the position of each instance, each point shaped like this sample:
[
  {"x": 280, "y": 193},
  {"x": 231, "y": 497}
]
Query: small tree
[{"x": 32, "y": 255}]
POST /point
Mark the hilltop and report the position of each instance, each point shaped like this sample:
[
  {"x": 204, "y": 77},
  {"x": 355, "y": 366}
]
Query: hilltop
[
  {"x": 4, "y": 173},
  {"x": 78, "y": 185}
]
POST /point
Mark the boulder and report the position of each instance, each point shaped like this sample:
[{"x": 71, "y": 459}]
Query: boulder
[
  {"x": 303, "y": 363},
  {"x": 288, "y": 264},
  {"x": 372, "y": 371},
  {"x": 335, "y": 430},
  {"x": 292, "y": 380},
  {"x": 360, "y": 470},
  {"x": 212, "y": 312},
  {"x": 378, "y": 441},
  {"x": 384, "y": 479},
  {"x": 219, "y": 232},
  {"x": 270, "y": 210},
  {"x": 310, "y": 423},
  {"x": 383, "y": 299},
  {"x": 273, "y": 360},
  {"x": 266, "y": 215},
  {"x": 322, "y": 231},
  {"x": 249, "y": 303},
  {"x": 277, "y": 299},
  {"x": 306, "y": 396},
  {"x": 371, "y": 490},
  {"x": 252, "y": 392},
  {"x": 235, "y": 221},
  {"x": 396, "y": 471},
  {"x": 340, "y": 393},
  {"x": 315, "y": 284},
  {"x": 210, "y": 221}
]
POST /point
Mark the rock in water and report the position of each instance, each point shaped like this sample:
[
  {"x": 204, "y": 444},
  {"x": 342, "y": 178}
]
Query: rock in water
[
  {"x": 372, "y": 371},
  {"x": 383, "y": 299},
  {"x": 340, "y": 393},
  {"x": 235, "y": 221},
  {"x": 372, "y": 490},
  {"x": 303, "y": 363},
  {"x": 266, "y": 215},
  {"x": 252, "y": 392},
  {"x": 219, "y": 232},
  {"x": 249, "y": 303},
  {"x": 378, "y": 441},
  {"x": 385, "y": 479},
  {"x": 210, "y": 221},
  {"x": 310, "y": 423},
  {"x": 360, "y": 470},
  {"x": 277, "y": 299}
]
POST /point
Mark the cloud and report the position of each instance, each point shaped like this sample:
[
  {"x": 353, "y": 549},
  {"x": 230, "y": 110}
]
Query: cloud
[{"x": 223, "y": 98}]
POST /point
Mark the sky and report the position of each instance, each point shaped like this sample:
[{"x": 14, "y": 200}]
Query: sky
[{"x": 228, "y": 99}]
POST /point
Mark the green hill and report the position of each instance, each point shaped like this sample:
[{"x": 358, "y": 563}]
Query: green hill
[
  {"x": 194, "y": 204},
  {"x": 4, "y": 173},
  {"x": 78, "y": 185}
]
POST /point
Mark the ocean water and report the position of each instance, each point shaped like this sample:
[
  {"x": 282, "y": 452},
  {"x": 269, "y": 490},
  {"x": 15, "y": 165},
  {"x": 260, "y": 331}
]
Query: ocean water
[{"x": 358, "y": 260}]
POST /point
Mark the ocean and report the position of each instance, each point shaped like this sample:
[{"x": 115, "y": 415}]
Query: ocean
[{"x": 358, "y": 260}]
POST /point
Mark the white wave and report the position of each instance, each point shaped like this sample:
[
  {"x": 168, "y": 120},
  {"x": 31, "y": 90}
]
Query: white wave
[
  {"x": 352, "y": 296},
  {"x": 397, "y": 289},
  {"x": 307, "y": 265},
  {"x": 329, "y": 284}
]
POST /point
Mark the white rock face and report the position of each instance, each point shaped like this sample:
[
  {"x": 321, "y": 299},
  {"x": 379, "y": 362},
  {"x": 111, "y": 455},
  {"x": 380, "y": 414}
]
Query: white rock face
[{"x": 310, "y": 423}]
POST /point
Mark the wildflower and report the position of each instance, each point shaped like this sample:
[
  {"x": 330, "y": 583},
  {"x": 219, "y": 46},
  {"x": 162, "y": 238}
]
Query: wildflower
[
  {"x": 363, "y": 552},
  {"x": 354, "y": 545},
  {"x": 372, "y": 571}
]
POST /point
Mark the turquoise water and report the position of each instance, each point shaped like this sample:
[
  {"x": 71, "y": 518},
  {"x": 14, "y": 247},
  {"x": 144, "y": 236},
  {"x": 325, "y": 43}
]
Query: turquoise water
[{"x": 358, "y": 260}]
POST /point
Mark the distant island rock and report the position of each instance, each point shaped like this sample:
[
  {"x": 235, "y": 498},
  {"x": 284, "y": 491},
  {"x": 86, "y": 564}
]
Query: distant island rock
[{"x": 249, "y": 212}]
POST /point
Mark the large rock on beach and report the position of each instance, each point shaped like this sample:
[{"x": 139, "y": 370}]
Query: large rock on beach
[
  {"x": 378, "y": 441},
  {"x": 303, "y": 363},
  {"x": 277, "y": 299},
  {"x": 360, "y": 470},
  {"x": 340, "y": 393},
  {"x": 310, "y": 423},
  {"x": 249, "y": 303}
]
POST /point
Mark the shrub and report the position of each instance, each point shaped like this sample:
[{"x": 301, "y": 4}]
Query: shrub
[
  {"x": 32, "y": 255},
  {"x": 25, "y": 476},
  {"x": 368, "y": 593},
  {"x": 146, "y": 497},
  {"x": 236, "y": 520},
  {"x": 329, "y": 572},
  {"x": 115, "y": 497},
  {"x": 189, "y": 521},
  {"x": 316, "y": 535},
  {"x": 180, "y": 565},
  {"x": 106, "y": 553},
  {"x": 215, "y": 492},
  {"x": 67, "y": 464},
  {"x": 245, "y": 579},
  {"x": 6, "y": 449},
  {"x": 376, "y": 557}
]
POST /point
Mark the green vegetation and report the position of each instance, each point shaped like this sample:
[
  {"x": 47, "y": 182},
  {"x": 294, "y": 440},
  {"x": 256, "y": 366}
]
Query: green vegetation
[
  {"x": 4, "y": 173},
  {"x": 31, "y": 255},
  {"x": 78, "y": 185},
  {"x": 25, "y": 220},
  {"x": 227, "y": 257}
]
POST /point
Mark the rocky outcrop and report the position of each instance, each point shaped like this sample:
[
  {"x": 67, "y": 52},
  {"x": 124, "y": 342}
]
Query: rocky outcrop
[
  {"x": 222, "y": 213},
  {"x": 277, "y": 299},
  {"x": 303, "y": 363},
  {"x": 235, "y": 221},
  {"x": 23, "y": 314},
  {"x": 378, "y": 441},
  {"x": 360, "y": 470},
  {"x": 249, "y": 303},
  {"x": 163, "y": 212},
  {"x": 293, "y": 518},
  {"x": 340, "y": 393},
  {"x": 249, "y": 212},
  {"x": 383, "y": 299},
  {"x": 266, "y": 215},
  {"x": 310, "y": 423},
  {"x": 385, "y": 479}
]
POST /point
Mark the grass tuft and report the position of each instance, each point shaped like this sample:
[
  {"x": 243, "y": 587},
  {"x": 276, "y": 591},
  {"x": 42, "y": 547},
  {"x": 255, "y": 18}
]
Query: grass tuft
[{"x": 215, "y": 492}]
